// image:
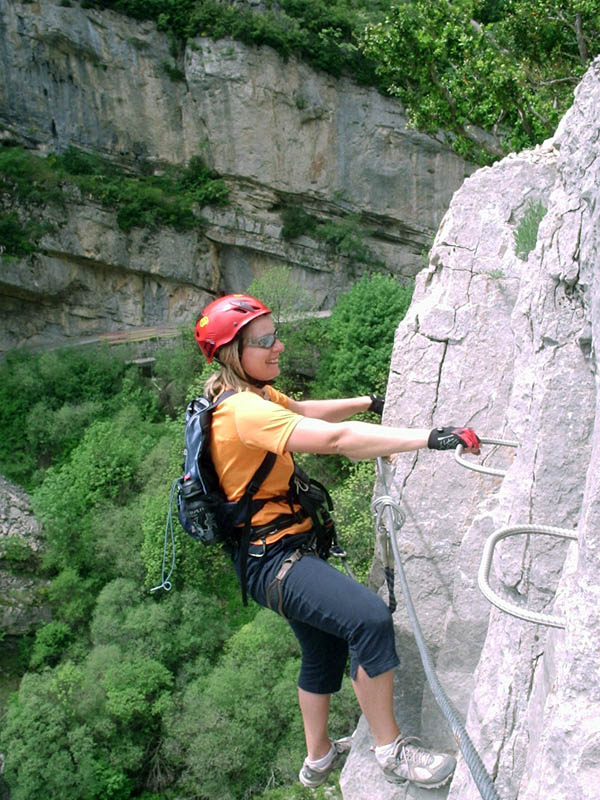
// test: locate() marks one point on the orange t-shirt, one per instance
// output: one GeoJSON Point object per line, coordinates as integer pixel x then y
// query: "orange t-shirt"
{"type": "Point", "coordinates": [244, 426]}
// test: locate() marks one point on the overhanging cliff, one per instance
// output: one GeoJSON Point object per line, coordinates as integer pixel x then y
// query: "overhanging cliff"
{"type": "Point", "coordinates": [279, 133]}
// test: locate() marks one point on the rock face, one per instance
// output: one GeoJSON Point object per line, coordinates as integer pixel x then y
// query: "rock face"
{"type": "Point", "coordinates": [277, 131]}
{"type": "Point", "coordinates": [21, 607]}
{"type": "Point", "coordinates": [509, 347]}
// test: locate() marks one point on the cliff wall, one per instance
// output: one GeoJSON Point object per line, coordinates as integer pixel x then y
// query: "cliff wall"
{"type": "Point", "coordinates": [510, 347]}
{"type": "Point", "coordinates": [277, 131]}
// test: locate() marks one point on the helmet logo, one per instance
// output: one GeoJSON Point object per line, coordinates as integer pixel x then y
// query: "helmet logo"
{"type": "Point", "coordinates": [202, 322]}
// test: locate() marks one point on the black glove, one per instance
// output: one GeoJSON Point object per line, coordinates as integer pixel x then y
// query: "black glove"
{"type": "Point", "coordinates": [450, 438]}
{"type": "Point", "coordinates": [376, 404]}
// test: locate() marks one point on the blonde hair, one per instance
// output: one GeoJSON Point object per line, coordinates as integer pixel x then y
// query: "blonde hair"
{"type": "Point", "coordinates": [231, 375]}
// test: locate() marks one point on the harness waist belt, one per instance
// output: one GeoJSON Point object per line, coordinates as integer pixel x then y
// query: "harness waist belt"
{"type": "Point", "coordinates": [278, 524]}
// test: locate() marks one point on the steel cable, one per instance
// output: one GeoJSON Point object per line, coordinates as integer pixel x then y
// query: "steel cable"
{"type": "Point", "coordinates": [482, 780]}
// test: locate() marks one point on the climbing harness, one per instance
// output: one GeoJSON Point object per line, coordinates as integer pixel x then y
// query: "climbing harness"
{"type": "Point", "coordinates": [395, 515]}
{"type": "Point", "coordinates": [514, 610]}
{"type": "Point", "coordinates": [275, 585]}
{"type": "Point", "coordinates": [486, 563]}
{"type": "Point", "coordinates": [480, 467]}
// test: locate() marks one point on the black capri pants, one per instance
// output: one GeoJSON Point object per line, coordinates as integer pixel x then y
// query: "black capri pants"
{"type": "Point", "coordinates": [331, 614]}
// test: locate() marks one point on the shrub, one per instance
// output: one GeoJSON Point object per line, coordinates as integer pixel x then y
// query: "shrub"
{"type": "Point", "coordinates": [244, 716]}
{"type": "Point", "coordinates": [71, 388]}
{"type": "Point", "coordinates": [526, 233]}
{"type": "Point", "coordinates": [15, 237]}
{"type": "Point", "coordinates": [16, 550]}
{"type": "Point", "coordinates": [356, 354]}
{"type": "Point", "coordinates": [101, 469]}
{"type": "Point", "coordinates": [50, 642]}
{"type": "Point", "coordinates": [347, 238]}
{"type": "Point", "coordinates": [354, 518]}
{"type": "Point", "coordinates": [296, 222]}
{"type": "Point", "coordinates": [288, 303]}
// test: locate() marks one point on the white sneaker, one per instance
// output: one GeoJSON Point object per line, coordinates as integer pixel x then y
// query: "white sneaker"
{"type": "Point", "coordinates": [311, 777]}
{"type": "Point", "coordinates": [409, 762]}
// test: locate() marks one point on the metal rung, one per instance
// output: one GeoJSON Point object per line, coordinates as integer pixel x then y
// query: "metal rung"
{"type": "Point", "coordinates": [486, 562]}
{"type": "Point", "coordinates": [478, 467]}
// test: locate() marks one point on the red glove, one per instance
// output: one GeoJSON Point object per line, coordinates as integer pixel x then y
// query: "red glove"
{"type": "Point", "coordinates": [450, 438]}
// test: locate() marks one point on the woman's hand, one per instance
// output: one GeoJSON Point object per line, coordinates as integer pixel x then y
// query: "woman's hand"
{"type": "Point", "coordinates": [450, 438]}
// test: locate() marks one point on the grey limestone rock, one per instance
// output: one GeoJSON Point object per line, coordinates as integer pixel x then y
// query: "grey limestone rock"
{"type": "Point", "coordinates": [278, 132]}
{"type": "Point", "coordinates": [21, 606]}
{"type": "Point", "coordinates": [508, 346]}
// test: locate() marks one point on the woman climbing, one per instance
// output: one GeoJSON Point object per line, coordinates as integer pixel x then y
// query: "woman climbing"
{"type": "Point", "coordinates": [331, 614]}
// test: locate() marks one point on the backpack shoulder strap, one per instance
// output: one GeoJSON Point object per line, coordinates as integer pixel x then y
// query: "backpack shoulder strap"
{"type": "Point", "coordinates": [252, 488]}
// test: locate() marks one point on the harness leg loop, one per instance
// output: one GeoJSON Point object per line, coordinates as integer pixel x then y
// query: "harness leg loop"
{"type": "Point", "coordinates": [275, 584]}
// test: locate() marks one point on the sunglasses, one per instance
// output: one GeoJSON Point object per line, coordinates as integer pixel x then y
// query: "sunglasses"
{"type": "Point", "coordinates": [266, 342]}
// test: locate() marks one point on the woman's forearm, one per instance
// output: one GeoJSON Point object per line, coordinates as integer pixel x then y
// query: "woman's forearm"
{"type": "Point", "coordinates": [355, 440]}
{"type": "Point", "coordinates": [362, 440]}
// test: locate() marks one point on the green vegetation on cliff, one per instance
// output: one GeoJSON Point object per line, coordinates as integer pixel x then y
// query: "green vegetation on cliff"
{"type": "Point", "coordinates": [495, 75]}
{"type": "Point", "coordinates": [171, 197]}
{"type": "Point", "coordinates": [490, 75]}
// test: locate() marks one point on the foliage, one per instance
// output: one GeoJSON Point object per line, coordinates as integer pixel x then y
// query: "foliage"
{"type": "Point", "coordinates": [296, 222]}
{"type": "Point", "coordinates": [346, 238]}
{"type": "Point", "coordinates": [286, 299]}
{"type": "Point", "coordinates": [169, 198]}
{"type": "Point", "coordinates": [18, 238]}
{"type": "Point", "coordinates": [83, 730]}
{"type": "Point", "coordinates": [490, 75]}
{"type": "Point", "coordinates": [320, 32]}
{"type": "Point", "coordinates": [101, 469]}
{"type": "Point", "coordinates": [297, 791]}
{"type": "Point", "coordinates": [31, 179]}
{"type": "Point", "coordinates": [343, 236]}
{"type": "Point", "coordinates": [50, 642]}
{"type": "Point", "coordinates": [494, 76]}
{"type": "Point", "coordinates": [356, 355]}
{"type": "Point", "coordinates": [15, 549]}
{"type": "Point", "coordinates": [133, 693]}
{"type": "Point", "coordinates": [47, 400]}
{"type": "Point", "coordinates": [145, 201]}
{"type": "Point", "coordinates": [526, 233]}
{"type": "Point", "coordinates": [210, 725]}
{"type": "Point", "coordinates": [291, 307]}
{"type": "Point", "coordinates": [354, 518]}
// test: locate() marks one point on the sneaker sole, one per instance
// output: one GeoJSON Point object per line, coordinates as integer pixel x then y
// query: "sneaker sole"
{"type": "Point", "coordinates": [398, 781]}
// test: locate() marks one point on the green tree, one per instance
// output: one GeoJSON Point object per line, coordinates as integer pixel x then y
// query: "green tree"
{"type": "Point", "coordinates": [293, 315]}
{"type": "Point", "coordinates": [82, 732]}
{"type": "Point", "coordinates": [47, 400]}
{"type": "Point", "coordinates": [239, 728]}
{"type": "Point", "coordinates": [495, 76]}
{"type": "Point", "coordinates": [102, 469]}
{"type": "Point", "coordinates": [356, 354]}
{"type": "Point", "coordinates": [354, 518]}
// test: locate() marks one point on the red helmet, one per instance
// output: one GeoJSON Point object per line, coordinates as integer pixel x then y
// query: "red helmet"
{"type": "Point", "coordinates": [223, 319]}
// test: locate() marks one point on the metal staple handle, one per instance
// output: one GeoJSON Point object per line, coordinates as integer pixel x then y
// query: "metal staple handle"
{"type": "Point", "coordinates": [478, 467]}
{"type": "Point", "coordinates": [486, 562]}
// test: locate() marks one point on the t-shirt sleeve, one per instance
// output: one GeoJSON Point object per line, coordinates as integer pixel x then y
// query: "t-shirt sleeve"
{"type": "Point", "coordinates": [264, 424]}
{"type": "Point", "coordinates": [278, 397]}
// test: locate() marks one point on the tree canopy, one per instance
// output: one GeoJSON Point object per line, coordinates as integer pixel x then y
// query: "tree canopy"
{"type": "Point", "coordinates": [493, 75]}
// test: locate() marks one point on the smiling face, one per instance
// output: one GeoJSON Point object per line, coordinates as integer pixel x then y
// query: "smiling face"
{"type": "Point", "coordinates": [260, 363]}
